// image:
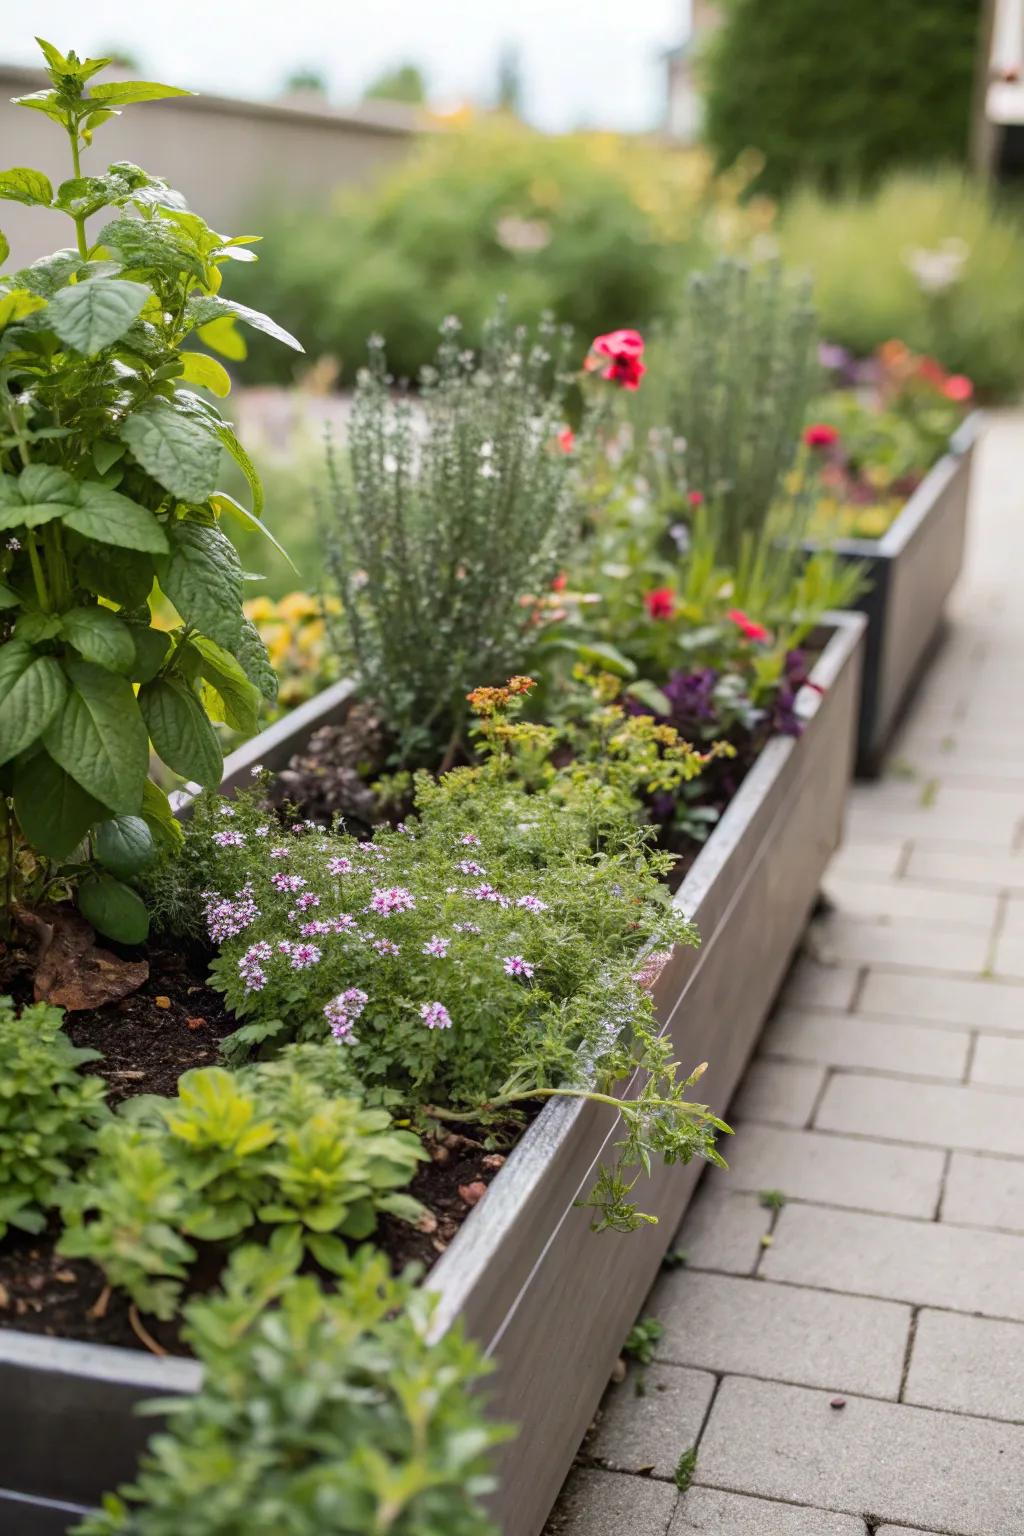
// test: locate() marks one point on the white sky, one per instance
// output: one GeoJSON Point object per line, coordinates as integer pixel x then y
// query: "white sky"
{"type": "Point", "coordinates": [593, 62]}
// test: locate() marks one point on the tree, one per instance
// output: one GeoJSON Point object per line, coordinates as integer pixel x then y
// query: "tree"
{"type": "Point", "coordinates": [837, 93]}
{"type": "Point", "coordinates": [405, 83]}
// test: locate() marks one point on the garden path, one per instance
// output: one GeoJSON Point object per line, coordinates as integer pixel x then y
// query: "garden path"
{"type": "Point", "coordinates": [844, 1348]}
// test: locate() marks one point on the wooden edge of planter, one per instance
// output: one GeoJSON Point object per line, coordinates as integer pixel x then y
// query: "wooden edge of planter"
{"type": "Point", "coordinates": [463, 1267]}
{"type": "Point", "coordinates": [915, 509]}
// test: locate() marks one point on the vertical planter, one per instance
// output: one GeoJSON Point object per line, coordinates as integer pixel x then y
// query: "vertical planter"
{"type": "Point", "coordinates": [910, 571]}
{"type": "Point", "coordinates": [549, 1300]}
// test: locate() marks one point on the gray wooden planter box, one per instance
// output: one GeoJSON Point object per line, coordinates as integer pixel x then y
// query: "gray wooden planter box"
{"type": "Point", "coordinates": [910, 571]}
{"type": "Point", "coordinates": [549, 1300]}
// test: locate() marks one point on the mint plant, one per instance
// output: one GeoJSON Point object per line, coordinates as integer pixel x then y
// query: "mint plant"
{"type": "Point", "coordinates": [109, 463]}
{"type": "Point", "coordinates": [318, 1412]}
{"type": "Point", "coordinates": [280, 1143]}
{"type": "Point", "coordinates": [49, 1112]}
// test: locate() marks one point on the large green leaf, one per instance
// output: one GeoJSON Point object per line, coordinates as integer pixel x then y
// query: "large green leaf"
{"type": "Point", "coordinates": [203, 579]}
{"type": "Point", "coordinates": [113, 909]}
{"type": "Point", "coordinates": [124, 845]}
{"type": "Point", "coordinates": [22, 185]}
{"type": "Point", "coordinates": [112, 518]}
{"type": "Point", "coordinates": [211, 307]}
{"type": "Point", "coordinates": [122, 93]}
{"type": "Point", "coordinates": [153, 244]}
{"type": "Point", "coordinates": [5, 249]}
{"type": "Point", "coordinates": [89, 316]}
{"type": "Point", "coordinates": [225, 505]}
{"type": "Point", "coordinates": [53, 811]}
{"type": "Point", "coordinates": [180, 731]}
{"type": "Point", "coordinates": [254, 661]}
{"type": "Point", "coordinates": [198, 368]}
{"type": "Point", "coordinates": [235, 700]}
{"type": "Point", "coordinates": [32, 689]}
{"type": "Point", "coordinates": [160, 819]}
{"type": "Point", "coordinates": [43, 493]}
{"type": "Point", "coordinates": [180, 451]}
{"type": "Point", "coordinates": [151, 647]}
{"type": "Point", "coordinates": [99, 737]}
{"type": "Point", "coordinates": [100, 636]}
{"type": "Point", "coordinates": [123, 575]}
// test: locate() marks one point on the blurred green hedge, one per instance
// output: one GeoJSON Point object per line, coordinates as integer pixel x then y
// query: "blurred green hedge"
{"type": "Point", "coordinates": [929, 258]}
{"type": "Point", "coordinates": [596, 228]}
{"type": "Point", "coordinates": [838, 91]}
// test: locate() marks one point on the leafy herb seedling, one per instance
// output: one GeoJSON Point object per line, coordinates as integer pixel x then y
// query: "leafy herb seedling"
{"type": "Point", "coordinates": [771, 1199]}
{"type": "Point", "coordinates": [642, 1339]}
{"type": "Point", "coordinates": [686, 1466]}
{"type": "Point", "coordinates": [109, 461]}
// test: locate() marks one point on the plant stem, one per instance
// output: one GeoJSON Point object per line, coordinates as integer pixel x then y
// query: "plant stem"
{"type": "Point", "coordinates": [83, 247]}
{"type": "Point", "coordinates": [524, 1095]}
{"type": "Point", "coordinates": [37, 574]}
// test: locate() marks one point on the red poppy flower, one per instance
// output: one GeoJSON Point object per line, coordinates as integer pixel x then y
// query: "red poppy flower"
{"type": "Point", "coordinates": [566, 439]}
{"type": "Point", "coordinates": [623, 352]}
{"type": "Point", "coordinates": [661, 603]}
{"type": "Point", "coordinates": [820, 435]}
{"type": "Point", "coordinates": [958, 387]}
{"type": "Point", "coordinates": [695, 498]}
{"type": "Point", "coordinates": [746, 626]}
{"type": "Point", "coordinates": [560, 582]}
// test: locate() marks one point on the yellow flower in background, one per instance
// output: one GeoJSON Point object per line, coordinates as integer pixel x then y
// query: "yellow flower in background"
{"type": "Point", "coordinates": [295, 635]}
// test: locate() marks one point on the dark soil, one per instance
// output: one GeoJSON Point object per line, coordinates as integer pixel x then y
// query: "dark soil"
{"type": "Point", "coordinates": [173, 1023]}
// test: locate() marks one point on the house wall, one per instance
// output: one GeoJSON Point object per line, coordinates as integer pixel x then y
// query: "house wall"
{"type": "Point", "coordinates": [223, 155]}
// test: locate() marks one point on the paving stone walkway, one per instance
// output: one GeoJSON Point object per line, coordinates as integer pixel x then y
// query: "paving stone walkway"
{"type": "Point", "coordinates": [852, 1364]}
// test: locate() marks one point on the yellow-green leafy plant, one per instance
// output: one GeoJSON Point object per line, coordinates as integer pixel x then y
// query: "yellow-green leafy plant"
{"type": "Point", "coordinates": [109, 466]}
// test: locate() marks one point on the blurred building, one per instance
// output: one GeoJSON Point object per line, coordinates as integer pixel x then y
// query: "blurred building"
{"type": "Point", "coordinates": [998, 147]}
{"type": "Point", "coordinates": [684, 100]}
{"type": "Point", "coordinates": [226, 156]}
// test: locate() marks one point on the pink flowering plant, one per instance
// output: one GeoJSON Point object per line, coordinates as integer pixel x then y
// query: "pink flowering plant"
{"type": "Point", "coordinates": [488, 953]}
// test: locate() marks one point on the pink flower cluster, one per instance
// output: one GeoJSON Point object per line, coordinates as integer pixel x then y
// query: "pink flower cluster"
{"type": "Point", "coordinates": [394, 898]}
{"type": "Point", "coordinates": [250, 968]}
{"type": "Point", "coordinates": [435, 1016]}
{"type": "Point", "coordinates": [532, 904]}
{"type": "Point", "coordinates": [226, 919]}
{"type": "Point", "coordinates": [229, 838]}
{"type": "Point", "coordinates": [342, 1011]}
{"type": "Point", "coordinates": [436, 945]}
{"type": "Point", "coordinates": [470, 867]}
{"type": "Point", "coordinates": [339, 866]}
{"type": "Point", "coordinates": [515, 965]}
{"type": "Point", "coordinates": [283, 882]}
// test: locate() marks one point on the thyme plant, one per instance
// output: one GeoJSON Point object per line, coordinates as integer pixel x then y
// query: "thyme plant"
{"type": "Point", "coordinates": [109, 464]}
{"type": "Point", "coordinates": [449, 512]}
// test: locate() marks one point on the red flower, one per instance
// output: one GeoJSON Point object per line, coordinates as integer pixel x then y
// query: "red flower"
{"type": "Point", "coordinates": [958, 387]}
{"type": "Point", "coordinates": [560, 582]}
{"type": "Point", "coordinates": [746, 626]}
{"type": "Point", "coordinates": [624, 352]}
{"type": "Point", "coordinates": [566, 439]}
{"type": "Point", "coordinates": [695, 498]}
{"type": "Point", "coordinates": [661, 603]}
{"type": "Point", "coordinates": [820, 435]}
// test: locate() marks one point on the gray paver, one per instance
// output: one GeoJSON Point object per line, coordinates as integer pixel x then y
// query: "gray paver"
{"type": "Point", "coordinates": [875, 899]}
{"type": "Point", "coordinates": [835, 1170]}
{"type": "Point", "coordinates": [1009, 956]}
{"type": "Point", "coordinates": [781, 1332]}
{"type": "Point", "coordinates": [929, 1263]}
{"type": "Point", "coordinates": [879, 1045]}
{"type": "Point", "coordinates": [984, 1192]}
{"type": "Point", "coordinates": [927, 1114]}
{"type": "Point", "coordinates": [869, 858]}
{"type": "Point", "coordinates": [899, 1463]}
{"type": "Point", "coordinates": [999, 1061]}
{"type": "Point", "coordinates": [979, 1004]}
{"type": "Point", "coordinates": [810, 985]}
{"type": "Point", "coordinates": [923, 945]}
{"type": "Point", "coordinates": [610, 1504]}
{"type": "Point", "coordinates": [968, 1365]}
{"type": "Point", "coordinates": [651, 1430]}
{"type": "Point", "coordinates": [962, 867]}
{"type": "Point", "coordinates": [780, 1093]}
{"type": "Point", "coordinates": [709, 1512]}
{"type": "Point", "coordinates": [723, 1230]}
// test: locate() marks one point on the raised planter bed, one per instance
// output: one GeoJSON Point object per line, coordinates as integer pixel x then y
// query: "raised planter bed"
{"type": "Point", "coordinates": [910, 571]}
{"type": "Point", "coordinates": [550, 1300]}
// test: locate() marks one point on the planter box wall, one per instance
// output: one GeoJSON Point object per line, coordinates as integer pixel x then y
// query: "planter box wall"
{"type": "Point", "coordinates": [550, 1301]}
{"type": "Point", "coordinates": [911, 570]}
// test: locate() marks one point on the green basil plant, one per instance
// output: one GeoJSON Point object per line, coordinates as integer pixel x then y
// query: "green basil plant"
{"type": "Point", "coordinates": [109, 506]}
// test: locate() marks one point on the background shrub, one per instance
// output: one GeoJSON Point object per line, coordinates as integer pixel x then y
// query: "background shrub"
{"type": "Point", "coordinates": [836, 93]}
{"type": "Point", "coordinates": [860, 251]}
{"type": "Point", "coordinates": [593, 227]}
